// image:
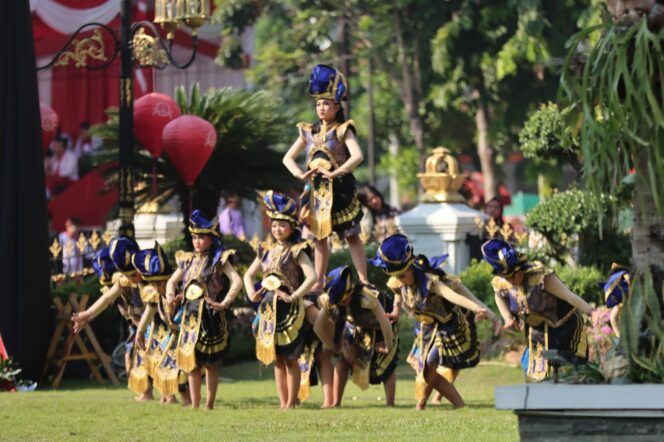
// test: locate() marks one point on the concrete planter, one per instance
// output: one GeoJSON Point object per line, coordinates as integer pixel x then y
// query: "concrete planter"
{"type": "Point", "coordinates": [557, 412]}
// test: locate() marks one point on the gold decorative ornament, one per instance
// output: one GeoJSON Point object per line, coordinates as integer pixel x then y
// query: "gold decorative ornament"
{"type": "Point", "coordinates": [193, 291]}
{"type": "Point", "coordinates": [95, 240]}
{"type": "Point", "coordinates": [55, 248]}
{"type": "Point", "coordinates": [521, 237]}
{"type": "Point", "coordinates": [506, 231]}
{"type": "Point", "coordinates": [86, 48]}
{"type": "Point", "coordinates": [107, 236]}
{"type": "Point", "coordinates": [492, 228]}
{"type": "Point", "coordinates": [479, 223]}
{"type": "Point", "coordinates": [169, 14]}
{"type": "Point", "coordinates": [81, 243]}
{"type": "Point", "coordinates": [441, 179]}
{"type": "Point", "coordinates": [196, 13]}
{"type": "Point", "coordinates": [271, 283]}
{"type": "Point", "coordinates": [147, 51]}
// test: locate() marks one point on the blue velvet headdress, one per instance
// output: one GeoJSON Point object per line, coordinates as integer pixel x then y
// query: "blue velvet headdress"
{"type": "Point", "coordinates": [338, 283]}
{"type": "Point", "coordinates": [120, 249]}
{"type": "Point", "coordinates": [504, 259]}
{"type": "Point", "coordinates": [394, 255]}
{"type": "Point", "coordinates": [152, 264]}
{"type": "Point", "coordinates": [103, 266]}
{"type": "Point", "coordinates": [280, 206]}
{"type": "Point", "coordinates": [199, 225]}
{"type": "Point", "coordinates": [327, 83]}
{"type": "Point", "coordinates": [616, 288]}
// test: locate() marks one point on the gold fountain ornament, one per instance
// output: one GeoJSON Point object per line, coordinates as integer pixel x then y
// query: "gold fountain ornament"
{"type": "Point", "coordinates": [170, 14]}
{"type": "Point", "coordinates": [441, 179]}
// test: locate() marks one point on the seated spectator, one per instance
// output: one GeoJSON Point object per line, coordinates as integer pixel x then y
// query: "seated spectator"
{"type": "Point", "coordinates": [379, 219]}
{"type": "Point", "coordinates": [231, 221]}
{"type": "Point", "coordinates": [86, 143]}
{"type": "Point", "coordinates": [62, 168]}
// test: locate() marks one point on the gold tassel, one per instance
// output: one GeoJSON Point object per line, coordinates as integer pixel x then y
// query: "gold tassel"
{"type": "Point", "coordinates": [361, 376]}
{"type": "Point", "coordinates": [169, 383]}
{"type": "Point", "coordinates": [420, 387]}
{"type": "Point", "coordinates": [138, 380]}
{"type": "Point", "coordinates": [186, 358]}
{"type": "Point", "coordinates": [266, 351]}
{"type": "Point", "coordinates": [447, 373]}
{"type": "Point", "coordinates": [321, 210]}
{"type": "Point", "coordinates": [304, 391]}
{"type": "Point", "coordinates": [306, 360]}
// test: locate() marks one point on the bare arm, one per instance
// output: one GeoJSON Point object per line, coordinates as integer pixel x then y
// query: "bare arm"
{"type": "Point", "coordinates": [146, 318]}
{"type": "Point", "coordinates": [463, 290]}
{"type": "Point", "coordinates": [250, 279]}
{"type": "Point", "coordinates": [173, 282]}
{"type": "Point", "coordinates": [309, 276]}
{"type": "Point", "coordinates": [104, 301]}
{"type": "Point", "coordinates": [290, 158]}
{"type": "Point", "coordinates": [555, 286]}
{"type": "Point", "coordinates": [503, 307]}
{"type": "Point", "coordinates": [456, 298]}
{"type": "Point", "coordinates": [324, 329]}
{"type": "Point", "coordinates": [236, 283]}
{"type": "Point", "coordinates": [385, 325]}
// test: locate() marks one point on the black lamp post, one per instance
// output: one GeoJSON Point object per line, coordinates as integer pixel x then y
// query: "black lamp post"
{"type": "Point", "coordinates": [138, 46]}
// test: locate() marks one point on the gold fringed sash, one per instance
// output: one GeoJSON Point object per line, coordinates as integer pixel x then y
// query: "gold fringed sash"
{"type": "Point", "coordinates": [166, 372]}
{"type": "Point", "coordinates": [189, 330]}
{"type": "Point", "coordinates": [320, 221]}
{"type": "Point", "coordinates": [138, 375]}
{"type": "Point", "coordinates": [364, 347]}
{"type": "Point", "coordinates": [265, 338]}
{"type": "Point", "coordinates": [306, 363]}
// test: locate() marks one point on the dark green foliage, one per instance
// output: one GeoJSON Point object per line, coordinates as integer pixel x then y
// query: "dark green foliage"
{"type": "Point", "coordinates": [477, 278]}
{"type": "Point", "coordinates": [584, 281]}
{"type": "Point", "coordinates": [568, 219]}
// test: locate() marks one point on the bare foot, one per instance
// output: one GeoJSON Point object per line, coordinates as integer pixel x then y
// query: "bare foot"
{"type": "Point", "coordinates": [171, 400]}
{"type": "Point", "coordinates": [389, 404]}
{"type": "Point", "coordinates": [209, 407]}
{"type": "Point", "coordinates": [436, 401]}
{"type": "Point", "coordinates": [144, 397]}
{"type": "Point", "coordinates": [329, 406]}
{"type": "Point", "coordinates": [421, 405]}
{"type": "Point", "coordinates": [162, 400]}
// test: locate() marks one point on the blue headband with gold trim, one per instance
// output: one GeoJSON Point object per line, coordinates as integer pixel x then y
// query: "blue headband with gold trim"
{"type": "Point", "coordinates": [120, 250]}
{"type": "Point", "coordinates": [152, 264]}
{"type": "Point", "coordinates": [327, 83]}
{"type": "Point", "coordinates": [504, 259]}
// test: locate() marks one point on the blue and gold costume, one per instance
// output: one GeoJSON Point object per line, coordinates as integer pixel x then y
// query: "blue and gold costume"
{"type": "Point", "coordinates": [550, 322]}
{"type": "Point", "coordinates": [447, 335]}
{"type": "Point", "coordinates": [203, 336]}
{"type": "Point", "coordinates": [281, 326]}
{"type": "Point", "coordinates": [162, 333]}
{"type": "Point", "coordinates": [334, 206]}
{"type": "Point", "coordinates": [357, 330]}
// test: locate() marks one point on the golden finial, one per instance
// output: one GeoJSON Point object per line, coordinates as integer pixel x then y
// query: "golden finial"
{"type": "Point", "coordinates": [255, 241]}
{"type": "Point", "coordinates": [442, 178]}
{"type": "Point", "coordinates": [491, 228]}
{"type": "Point", "coordinates": [55, 248]}
{"type": "Point", "coordinates": [479, 223]}
{"type": "Point", "coordinates": [506, 231]}
{"type": "Point", "coordinates": [82, 242]}
{"type": "Point", "coordinates": [107, 236]}
{"type": "Point", "coordinates": [521, 237]}
{"type": "Point", "coordinates": [95, 240]}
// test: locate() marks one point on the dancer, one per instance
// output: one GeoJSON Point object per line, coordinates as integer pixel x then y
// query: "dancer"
{"type": "Point", "coordinates": [207, 283]}
{"type": "Point", "coordinates": [330, 202]}
{"type": "Point", "coordinates": [288, 275]}
{"type": "Point", "coordinates": [616, 290]}
{"type": "Point", "coordinates": [446, 337]}
{"type": "Point", "coordinates": [549, 312]}
{"type": "Point", "coordinates": [354, 320]}
{"type": "Point", "coordinates": [158, 330]}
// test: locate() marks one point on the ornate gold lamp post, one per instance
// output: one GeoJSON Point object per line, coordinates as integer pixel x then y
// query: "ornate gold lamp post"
{"type": "Point", "coordinates": [139, 46]}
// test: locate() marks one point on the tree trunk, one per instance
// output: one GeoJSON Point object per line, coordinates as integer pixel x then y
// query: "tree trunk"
{"type": "Point", "coordinates": [343, 35]}
{"type": "Point", "coordinates": [371, 136]}
{"type": "Point", "coordinates": [648, 227]}
{"type": "Point", "coordinates": [408, 91]}
{"type": "Point", "coordinates": [484, 151]}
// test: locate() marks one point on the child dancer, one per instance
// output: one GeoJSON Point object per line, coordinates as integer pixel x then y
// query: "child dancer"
{"type": "Point", "coordinates": [353, 319]}
{"type": "Point", "coordinates": [158, 327]}
{"type": "Point", "coordinates": [330, 202]}
{"type": "Point", "coordinates": [288, 275]}
{"type": "Point", "coordinates": [437, 301]}
{"type": "Point", "coordinates": [616, 290]}
{"type": "Point", "coordinates": [550, 312]}
{"type": "Point", "coordinates": [207, 283]}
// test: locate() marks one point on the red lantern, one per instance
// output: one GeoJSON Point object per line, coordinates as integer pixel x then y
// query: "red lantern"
{"type": "Point", "coordinates": [189, 141]}
{"type": "Point", "coordinates": [49, 125]}
{"type": "Point", "coordinates": [152, 112]}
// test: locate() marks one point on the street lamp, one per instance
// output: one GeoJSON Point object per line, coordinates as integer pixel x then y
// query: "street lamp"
{"type": "Point", "coordinates": [139, 46]}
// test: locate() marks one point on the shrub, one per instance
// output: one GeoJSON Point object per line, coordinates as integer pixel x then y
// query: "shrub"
{"type": "Point", "coordinates": [583, 281]}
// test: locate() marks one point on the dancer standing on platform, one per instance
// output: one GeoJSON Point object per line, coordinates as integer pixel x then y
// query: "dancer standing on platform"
{"type": "Point", "coordinates": [158, 330]}
{"type": "Point", "coordinates": [353, 319]}
{"type": "Point", "coordinates": [207, 283]}
{"type": "Point", "coordinates": [125, 288]}
{"type": "Point", "coordinates": [439, 302]}
{"type": "Point", "coordinates": [330, 202]}
{"type": "Point", "coordinates": [288, 275]}
{"type": "Point", "coordinates": [549, 312]}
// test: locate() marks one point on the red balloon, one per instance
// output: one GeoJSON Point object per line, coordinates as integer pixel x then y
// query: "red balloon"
{"type": "Point", "coordinates": [189, 141]}
{"type": "Point", "coordinates": [152, 112]}
{"type": "Point", "coordinates": [49, 125]}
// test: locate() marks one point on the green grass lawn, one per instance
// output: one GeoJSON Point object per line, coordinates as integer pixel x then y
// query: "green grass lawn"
{"type": "Point", "coordinates": [247, 409]}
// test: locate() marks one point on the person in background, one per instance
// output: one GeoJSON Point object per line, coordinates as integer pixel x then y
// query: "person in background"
{"type": "Point", "coordinates": [86, 143]}
{"type": "Point", "coordinates": [62, 168]}
{"type": "Point", "coordinates": [72, 258]}
{"type": "Point", "coordinates": [230, 219]}
{"type": "Point", "coordinates": [379, 220]}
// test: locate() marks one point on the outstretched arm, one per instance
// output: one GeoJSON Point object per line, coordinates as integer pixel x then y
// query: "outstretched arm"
{"type": "Point", "coordinates": [455, 298]}
{"type": "Point", "coordinates": [81, 319]}
{"type": "Point", "coordinates": [385, 325]}
{"type": "Point", "coordinates": [555, 286]}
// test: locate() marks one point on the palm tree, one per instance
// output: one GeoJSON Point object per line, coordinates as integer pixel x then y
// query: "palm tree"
{"type": "Point", "coordinates": [249, 127]}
